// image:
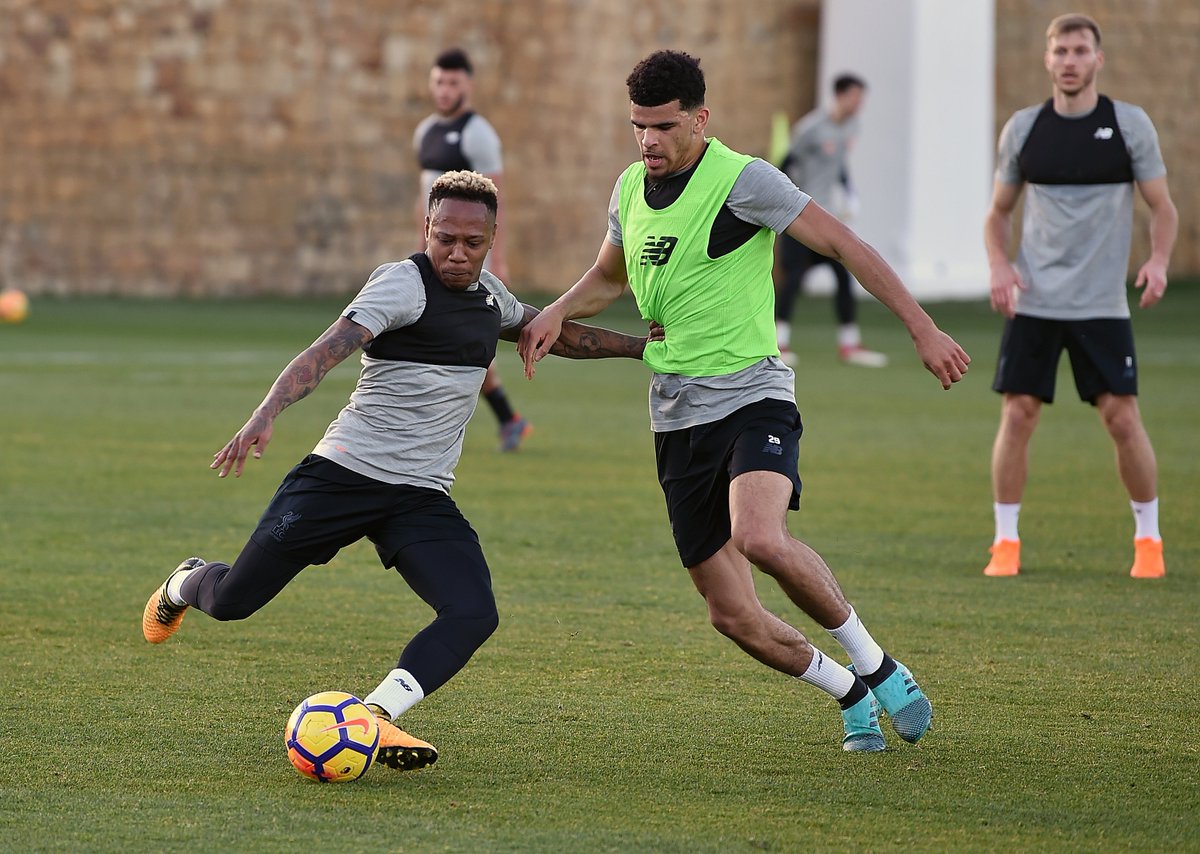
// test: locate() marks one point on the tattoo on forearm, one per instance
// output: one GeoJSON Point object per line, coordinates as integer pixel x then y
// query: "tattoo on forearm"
{"type": "Point", "coordinates": [578, 341]}
{"type": "Point", "coordinates": [308, 369]}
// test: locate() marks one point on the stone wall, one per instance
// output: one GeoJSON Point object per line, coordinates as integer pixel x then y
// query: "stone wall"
{"type": "Point", "coordinates": [236, 147]}
{"type": "Point", "coordinates": [224, 147]}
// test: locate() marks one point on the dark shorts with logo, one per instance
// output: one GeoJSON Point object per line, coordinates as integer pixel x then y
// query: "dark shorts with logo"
{"type": "Point", "coordinates": [696, 465]}
{"type": "Point", "coordinates": [1101, 353]}
{"type": "Point", "coordinates": [322, 507]}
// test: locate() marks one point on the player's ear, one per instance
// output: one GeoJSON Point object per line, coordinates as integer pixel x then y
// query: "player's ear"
{"type": "Point", "coordinates": [700, 120]}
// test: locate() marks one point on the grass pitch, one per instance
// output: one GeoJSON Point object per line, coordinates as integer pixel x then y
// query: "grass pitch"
{"type": "Point", "coordinates": [605, 714]}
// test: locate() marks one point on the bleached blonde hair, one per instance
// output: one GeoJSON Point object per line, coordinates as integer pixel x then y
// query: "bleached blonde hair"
{"type": "Point", "coordinates": [467, 186]}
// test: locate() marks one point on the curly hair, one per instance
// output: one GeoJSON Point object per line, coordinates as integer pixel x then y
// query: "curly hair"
{"type": "Point", "coordinates": [467, 186]}
{"type": "Point", "coordinates": [664, 76]}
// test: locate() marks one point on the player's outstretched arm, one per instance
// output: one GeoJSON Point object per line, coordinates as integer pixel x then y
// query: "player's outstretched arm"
{"type": "Point", "coordinates": [595, 291]}
{"type": "Point", "coordinates": [297, 381]}
{"type": "Point", "coordinates": [580, 341]}
{"type": "Point", "coordinates": [822, 232]}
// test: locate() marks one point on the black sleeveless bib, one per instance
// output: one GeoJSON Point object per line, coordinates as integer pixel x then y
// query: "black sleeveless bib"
{"type": "Point", "coordinates": [456, 327]}
{"type": "Point", "coordinates": [1082, 150]}
{"type": "Point", "coordinates": [441, 147]}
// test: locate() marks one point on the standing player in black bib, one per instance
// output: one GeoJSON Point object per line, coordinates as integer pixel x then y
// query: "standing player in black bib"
{"type": "Point", "coordinates": [456, 137]}
{"type": "Point", "coordinates": [428, 328]}
{"type": "Point", "coordinates": [1081, 154]}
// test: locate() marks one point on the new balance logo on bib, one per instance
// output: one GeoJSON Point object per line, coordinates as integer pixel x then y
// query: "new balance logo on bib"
{"type": "Point", "coordinates": [657, 250]}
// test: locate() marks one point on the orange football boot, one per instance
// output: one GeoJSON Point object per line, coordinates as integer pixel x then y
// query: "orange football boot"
{"type": "Point", "coordinates": [1006, 558]}
{"type": "Point", "coordinates": [1148, 558]}
{"type": "Point", "coordinates": [161, 617]}
{"type": "Point", "coordinates": [397, 749]}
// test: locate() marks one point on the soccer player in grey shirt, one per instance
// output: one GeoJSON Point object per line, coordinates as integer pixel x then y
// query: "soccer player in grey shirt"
{"type": "Point", "coordinates": [428, 327]}
{"type": "Point", "coordinates": [816, 163]}
{"type": "Point", "coordinates": [1081, 154]}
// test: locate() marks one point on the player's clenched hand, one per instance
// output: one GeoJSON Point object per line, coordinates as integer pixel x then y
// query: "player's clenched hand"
{"type": "Point", "coordinates": [537, 338]}
{"type": "Point", "coordinates": [1005, 284]}
{"type": "Point", "coordinates": [255, 434]}
{"type": "Point", "coordinates": [943, 357]}
{"type": "Point", "coordinates": [657, 332]}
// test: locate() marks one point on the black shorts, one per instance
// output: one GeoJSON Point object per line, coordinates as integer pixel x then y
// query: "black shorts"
{"type": "Point", "coordinates": [697, 464]}
{"type": "Point", "coordinates": [322, 507]}
{"type": "Point", "coordinates": [1101, 353]}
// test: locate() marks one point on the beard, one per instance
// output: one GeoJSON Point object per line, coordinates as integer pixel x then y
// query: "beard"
{"type": "Point", "coordinates": [455, 107]}
{"type": "Point", "coordinates": [1082, 81]}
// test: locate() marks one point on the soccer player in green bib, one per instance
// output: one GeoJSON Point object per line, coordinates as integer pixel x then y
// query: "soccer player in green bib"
{"type": "Point", "coordinates": [691, 232]}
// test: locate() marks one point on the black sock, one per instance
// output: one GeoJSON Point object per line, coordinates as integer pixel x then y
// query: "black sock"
{"type": "Point", "coordinates": [857, 692]}
{"type": "Point", "coordinates": [886, 669]}
{"type": "Point", "coordinates": [498, 400]}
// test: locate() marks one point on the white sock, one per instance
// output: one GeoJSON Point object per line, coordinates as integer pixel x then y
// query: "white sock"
{"type": "Point", "coordinates": [175, 587]}
{"type": "Point", "coordinates": [1145, 517]}
{"type": "Point", "coordinates": [1006, 521]}
{"type": "Point", "coordinates": [397, 693]}
{"type": "Point", "coordinates": [859, 645]}
{"type": "Point", "coordinates": [783, 334]}
{"type": "Point", "coordinates": [848, 335]}
{"type": "Point", "coordinates": [828, 675]}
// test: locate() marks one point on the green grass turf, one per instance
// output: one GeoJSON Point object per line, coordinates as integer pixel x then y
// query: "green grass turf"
{"type": "Point", "coordinates": [605, 714]}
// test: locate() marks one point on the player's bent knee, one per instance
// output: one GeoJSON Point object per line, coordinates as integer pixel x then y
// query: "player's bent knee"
{"type": "Point", "coordinates": [764, 549]}
{"type": "Point", "coordinates": [474, 626]}
{"type": "Point", "coordinates": [227, 612]}
{"type": "Point", "coordinates": [485, 626]}
{"type": "Point", "coordinates": [734, 623]}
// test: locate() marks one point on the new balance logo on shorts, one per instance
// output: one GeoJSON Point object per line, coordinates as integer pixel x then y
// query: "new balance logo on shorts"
{"type": "Point", "coordinates": [657, 250]}
{"type": "Point", "coordinates": [773, 446]}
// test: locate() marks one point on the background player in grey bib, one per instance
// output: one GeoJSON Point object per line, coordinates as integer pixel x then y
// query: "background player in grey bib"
{"type": "Point", "coordinates": [456, 137]}
{"type": "Point", "coordinates": [1080, 154]}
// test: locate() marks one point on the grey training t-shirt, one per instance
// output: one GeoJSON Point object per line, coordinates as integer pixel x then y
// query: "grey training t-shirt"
{"type": "Point", "coordinates": [405, 421]}
{"type": "Point", "coordinates": [763, 196]}
{"type": "Point", "coordinates": [1075, 239]}
{"type": "Point", "coordinates": [817, 154]}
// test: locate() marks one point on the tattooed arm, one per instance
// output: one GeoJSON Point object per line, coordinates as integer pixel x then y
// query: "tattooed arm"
{"type": "Point", "coordinates": [579, 341]}
{"type": "Point", "coordinates": [297, 381]}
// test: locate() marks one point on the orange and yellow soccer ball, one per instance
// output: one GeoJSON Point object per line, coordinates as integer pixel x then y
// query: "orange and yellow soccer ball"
{"type": "Point", "coordinates": [14, 306]}
{"type": "Point", "coordinates": [331, 737]}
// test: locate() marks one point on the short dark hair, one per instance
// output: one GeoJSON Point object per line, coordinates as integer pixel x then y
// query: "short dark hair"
{"type": "Point", "coordinates": [454, 59]}
{"type": "Point", "coordinates": [664, 76]}
{"type": "Point", "coordinates": [466, 186]}
{"type": "Point", "coordinates": [847, 81]}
